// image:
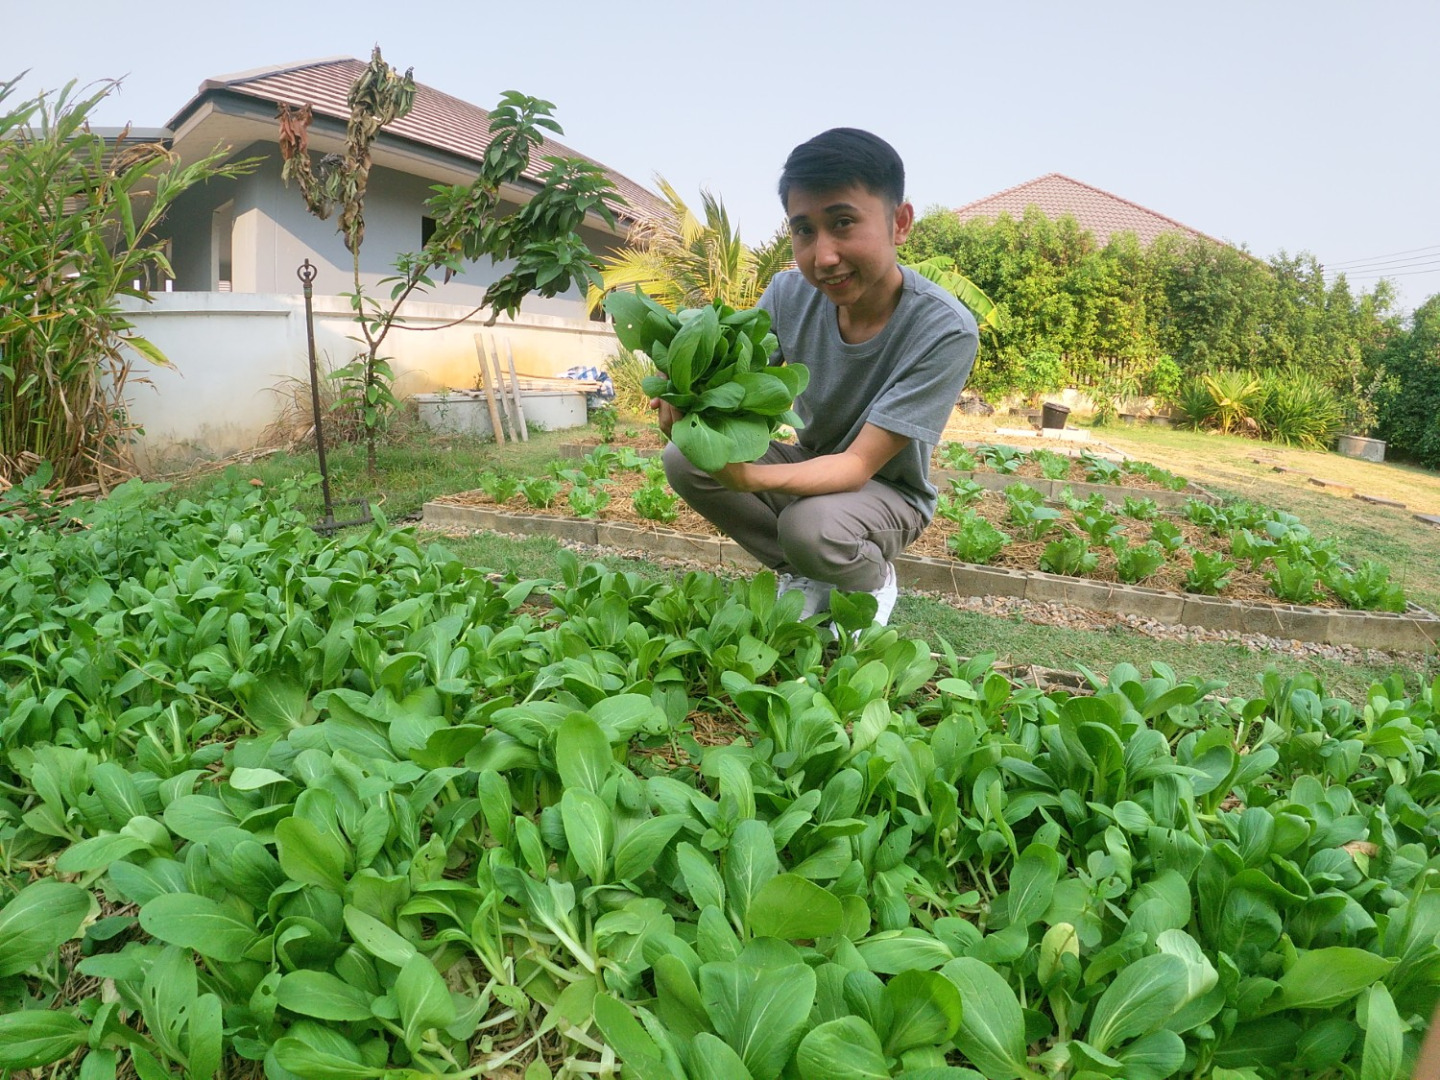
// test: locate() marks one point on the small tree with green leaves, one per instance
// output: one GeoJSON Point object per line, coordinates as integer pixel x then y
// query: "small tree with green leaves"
{"type": "Point", "coordinates": [540, 241]}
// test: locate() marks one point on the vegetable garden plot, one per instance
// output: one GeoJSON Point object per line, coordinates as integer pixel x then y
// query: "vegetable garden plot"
{"type": "Point", "coordinates": [346, 808]}
{"type": "Point", "coordinates": [1242, 552]}
{"type": "Point", "coordinates": [1054, 474]}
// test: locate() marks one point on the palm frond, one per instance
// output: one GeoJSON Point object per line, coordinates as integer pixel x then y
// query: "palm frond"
{"type": "Point", "coordinates": [681, 260]}
{"type": "Point", "coordinates": [941, 270]}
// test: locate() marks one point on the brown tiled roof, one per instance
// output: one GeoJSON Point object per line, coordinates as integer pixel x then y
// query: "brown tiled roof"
{"type": "Point", "coordinates": [1098, 211]}
{"type": "Point", "coordinates": [437, 120]}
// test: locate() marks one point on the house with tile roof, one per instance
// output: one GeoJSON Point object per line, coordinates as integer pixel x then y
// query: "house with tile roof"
{"type": "Point", "coordinates": [231, 319]}
{"type": "Point", "coordinates": [1094, 209]}
{"type": "Point", "coordinates": [247, 235]}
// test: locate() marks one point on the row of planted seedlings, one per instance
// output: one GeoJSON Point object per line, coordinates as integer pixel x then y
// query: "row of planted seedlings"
{"type": "Point", "coordinates": [1048, 464]}
{"type": "Point", "coordinates": [1042, 463]}
{"type": "Point", "coordinates": [584, 488]}
{"type": "Point", "coordinates": [1241, 550]}
{"type": "Point", "coordinates": [346, 808]}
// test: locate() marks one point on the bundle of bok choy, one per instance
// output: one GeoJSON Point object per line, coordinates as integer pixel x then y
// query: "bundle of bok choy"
{"type": "Point", "coordinates": [712, 364]}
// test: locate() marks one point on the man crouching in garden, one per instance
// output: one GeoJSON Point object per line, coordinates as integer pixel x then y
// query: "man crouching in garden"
{"type": "Point", "coordinates": [888, 353]}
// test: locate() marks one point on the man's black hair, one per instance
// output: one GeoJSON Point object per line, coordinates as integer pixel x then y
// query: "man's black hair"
{"type": "Point", "coordinates": [843, 156]}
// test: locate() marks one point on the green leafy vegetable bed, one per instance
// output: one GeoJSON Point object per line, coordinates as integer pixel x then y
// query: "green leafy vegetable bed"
{"type": "Point", "coordinates": [1044, 463]}
{"type": "Point", "coordinates": [1241, 551]}
{"type": "Point", "coordinates": [339, 809]}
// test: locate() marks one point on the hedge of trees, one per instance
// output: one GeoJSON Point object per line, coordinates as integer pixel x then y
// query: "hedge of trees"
{"type": "Point", "coordinates": [1408, 395]}
{"type": "Point", "coordinates": [1077, 311]}
{"type": "Point", "coordinates": [1119, 318]}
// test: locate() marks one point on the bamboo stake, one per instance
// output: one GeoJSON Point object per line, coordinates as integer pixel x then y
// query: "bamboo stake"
{"type": "Point", "coordinates": [506, 405]}
{"type": "Point", "coordinates": [489, 394]}
{"type": "Point", "coordinates": [515, 386]}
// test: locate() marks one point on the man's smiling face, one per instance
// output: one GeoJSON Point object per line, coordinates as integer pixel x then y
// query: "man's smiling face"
{"type": "Point", "coordinates": [845, 241]}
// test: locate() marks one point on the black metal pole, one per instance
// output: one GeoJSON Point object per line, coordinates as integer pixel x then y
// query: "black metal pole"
{"type": "Point", "coordinates": [307, 273]}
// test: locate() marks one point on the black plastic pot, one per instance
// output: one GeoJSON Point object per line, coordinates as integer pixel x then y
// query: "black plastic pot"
{"type": "Point", "coordinates": [1053, 416]}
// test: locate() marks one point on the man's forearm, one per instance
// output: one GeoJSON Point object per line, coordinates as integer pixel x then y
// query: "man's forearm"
{"type": "Point", "coordinates": [849, 470]}
{"type": "Point", "coordinates": [824, 475]}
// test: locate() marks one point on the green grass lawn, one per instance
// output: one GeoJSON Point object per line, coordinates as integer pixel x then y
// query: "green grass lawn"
{"type": "Point", "coordinates": [416, 466]}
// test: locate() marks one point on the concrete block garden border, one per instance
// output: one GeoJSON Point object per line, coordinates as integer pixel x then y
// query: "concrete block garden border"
{"type": "Point", "coordinates": [1416, 630]}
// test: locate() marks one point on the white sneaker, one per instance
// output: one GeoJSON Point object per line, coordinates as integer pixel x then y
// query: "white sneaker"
{"type": "Point", "coordinates": [886, 595]}
{"type": "Point", "coordinates": [817, 593]}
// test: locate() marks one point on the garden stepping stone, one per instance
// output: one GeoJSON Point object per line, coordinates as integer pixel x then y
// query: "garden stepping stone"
{"type": "Point", "coordinates": [1429, 519]}
{"type": "Point", "coordinates": [1285, 468]}
{"type": "Point", "coordinates": [1334, 485]}
{"type": "Point", "coordinates": [1378, 501]}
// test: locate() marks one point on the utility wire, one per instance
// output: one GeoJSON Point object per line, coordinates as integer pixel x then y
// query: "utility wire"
{"type": "Point", "coordinates": [1401, 273]}
{"type": "Point", "coordinates": [1364, 271]}
{"type": "Point", "coordinates": [1384, 258]}
{"type": "Point", "coordinates": [1397, 264]}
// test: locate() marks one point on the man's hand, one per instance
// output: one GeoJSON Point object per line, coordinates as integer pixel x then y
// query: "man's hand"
{"type": "Point", "coordinates": [735, 476]}
{"type": "Point", "coordinates": [849, 470]}
{"type": "Point", "coordinates": [666, 414]}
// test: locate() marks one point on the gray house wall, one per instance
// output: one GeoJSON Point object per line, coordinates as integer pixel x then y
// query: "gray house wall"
{"type": "Point", "coordinates": [271, 233]}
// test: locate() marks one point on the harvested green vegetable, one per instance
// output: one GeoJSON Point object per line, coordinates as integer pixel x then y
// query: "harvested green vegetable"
{"type": "Point", "coordinates": [713, 366]}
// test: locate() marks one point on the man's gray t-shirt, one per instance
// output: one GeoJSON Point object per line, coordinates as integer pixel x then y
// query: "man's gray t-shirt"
{"type": "Point", "coordinates": [905, 379]}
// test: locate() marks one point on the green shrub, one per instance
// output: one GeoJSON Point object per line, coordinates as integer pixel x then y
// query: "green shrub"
{"type": "Point", "coordinates": [627, 370]}
{"type": "Point", "coordinates": [1041, 372]}
{"type": "Point", "coordinates": [1195, 405]}
{"type": "Point", "coordinates": [1408, 399]}
{"type": "Point", "coordinates": [1163, 380]}
{"type": "Point", "coordinates": [1298, 409]}
{"type": "Point", "coordinates": [76, 236]}
{"type": "Point", "coordinates": [1236, 396]}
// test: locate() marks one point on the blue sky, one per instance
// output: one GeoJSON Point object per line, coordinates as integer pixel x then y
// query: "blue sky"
{"type": "Point", "coordinates": [1276, 124]}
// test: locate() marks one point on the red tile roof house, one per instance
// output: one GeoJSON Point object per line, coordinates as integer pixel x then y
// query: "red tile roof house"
{"type": "Point", "coordinates": [1101, 213]}
{"type": "Point", "coordinates": [232, 321]}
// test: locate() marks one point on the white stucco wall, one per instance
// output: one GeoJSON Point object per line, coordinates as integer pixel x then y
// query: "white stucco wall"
{"type": "Point", "coordinates": [230, 351]}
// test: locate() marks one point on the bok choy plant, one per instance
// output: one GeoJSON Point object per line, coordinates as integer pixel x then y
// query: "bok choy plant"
{"type": "Point", "coordinates": [713, 365]}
